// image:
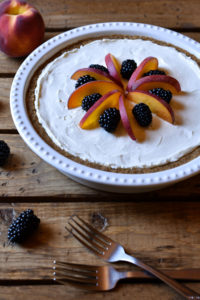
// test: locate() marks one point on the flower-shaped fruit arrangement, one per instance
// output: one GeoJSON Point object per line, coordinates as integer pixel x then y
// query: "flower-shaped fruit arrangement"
{"type": "Point", "coordinates": [106, 94]}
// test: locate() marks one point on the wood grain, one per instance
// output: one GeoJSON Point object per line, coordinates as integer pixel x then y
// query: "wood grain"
{"type": "Point", "coordinates": [128, 291]}
{"type": "Point", "coordinates": [164, 235]}
{"type": "Point", "coordinates": [173, 14]}
{"type": "Point", "coordinates": [6, 122]}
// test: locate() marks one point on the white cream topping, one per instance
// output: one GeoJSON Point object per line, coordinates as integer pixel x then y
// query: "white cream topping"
{"type": "Point", "coordinates": [163, 142]}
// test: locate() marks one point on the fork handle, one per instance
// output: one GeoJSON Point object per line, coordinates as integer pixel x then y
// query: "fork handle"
{"type": "Point", "coordinates": [183, 274]}
{"type": "Point", "coordinates": [180, 288]}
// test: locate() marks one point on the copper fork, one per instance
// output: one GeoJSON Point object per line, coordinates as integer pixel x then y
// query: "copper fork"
{"type": "Point", "coordinates": [105, 278]}
{"type": "Point", "coordinates": [111, 251]}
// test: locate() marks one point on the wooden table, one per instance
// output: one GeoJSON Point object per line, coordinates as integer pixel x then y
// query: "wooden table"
{"type": "Point", "coordinates": [162, 228]}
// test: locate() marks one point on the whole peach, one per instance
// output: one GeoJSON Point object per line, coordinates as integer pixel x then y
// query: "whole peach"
{"type": "Point", "coordinates": [21, 28]}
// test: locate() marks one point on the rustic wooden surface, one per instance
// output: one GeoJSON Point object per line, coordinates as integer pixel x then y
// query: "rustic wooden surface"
{"type": "Point", "coordinates": [161, 227]}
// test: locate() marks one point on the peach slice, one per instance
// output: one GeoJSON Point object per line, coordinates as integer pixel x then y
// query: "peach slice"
{"type": "Point", "coordinates": [149, 63]}
{"type": "Point", "coordinates": [126, 117]}
{"type": "Point", "coordinates": [91, 118]}
{"type": "Point", "coordinates": [100, 86]}
{"type": "Point", "coordinates": [97, 74]}
{"type": "Point", "coordinates": [113, 68]}
{"type": "Point", "coordinates": [157, 81]}
{"type": "Point", "coordinates": [157, 105]}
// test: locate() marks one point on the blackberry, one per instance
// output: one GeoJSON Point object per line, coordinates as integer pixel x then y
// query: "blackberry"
{"type": "Point", "coordinates": [23, 226]}
{"type": "Point", "coordinates": [84, 79]}
{"type": "Point", "coordinates": [127, 68]}
{"type": "Point", "coordinates": [89, 100]}
{"type": "Point", "coordinates": [109, 119]}
{"type": "Point", "coordinates": [164, 94]}
{"type": "Point", "coordinates": [154, 72]}
{"type": "Point", "coordinates": [142, 114]}
{"type": "Point", "coordinates": [4, 152]}
{"type": "Point", "coordinates": [99, 67]}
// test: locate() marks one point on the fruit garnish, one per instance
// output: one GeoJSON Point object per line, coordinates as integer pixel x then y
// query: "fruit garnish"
{"type": "Point", "coordinates": [157, 105]}
{"type": "Point", "coordinates": [103, 98]}
{"type": "Point", "coordinates": [109, 119]}
{"type": "Point", "coordinates": [91, 119]}
{"type": "Point", "coordinates": [94, 73]}
{"type": "Point", "coordinates": [84, 79]}
{"type": "Point", "coordinates": [156, 81]}
{"type": "Point", "coordinates": [114, 68]}
{"type": "Point", "coordinates": [126, 117]}
{"type": "Point", "coordinates": [164, 94]}
{"type": "Point", "coordinates": [154, 72]}
{"type": "Point", "coordinates": [99, 86]}
{"type": "Point", "coordinates": [98, 67]}
{"type": "Point", "coordinates": [23, 226]}
{"type": "Point", "coordinates": [127, 68]}
{"type": "Point", "coordinates": [89, 100]}
{"type": "Point", "coordinates": [142, 114]}
{"type": "Point", "coordinates": [149, 63]}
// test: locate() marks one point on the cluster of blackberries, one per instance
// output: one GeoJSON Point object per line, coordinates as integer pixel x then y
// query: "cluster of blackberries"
{"type": "Point", "coordinates": [89, 100]}
{"type": "Point", "coordinates": [23, 226]}
{"type": "Point", "coordinates": [161, 93]}
{"type": "Point", "coordinates": [109, 119]}
{"type": "Point", "coordinates": [127, 68]}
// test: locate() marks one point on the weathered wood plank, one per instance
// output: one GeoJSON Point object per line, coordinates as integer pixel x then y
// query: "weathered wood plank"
{"type": "Point", "coordinates": [176, 14]}
{"type": "Point", "coordinates": [6, 122]}
{"type": "Point", "coordinates": [26, 175]}
{"type": "Point", "coordinates": [165, 235]}
{"type": "Point", "coordinates": [125, 291]}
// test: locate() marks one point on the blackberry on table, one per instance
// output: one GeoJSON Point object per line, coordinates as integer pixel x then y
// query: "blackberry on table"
{"type": "Point", "coordinates": [154, 72]}
{"type": "Point", "coordinates": [23, 226]}
{"type": "Point", "coordinates": [109, 119]}
{"type": "Point", "coordinates": [4, 152]}
{"type": "Point", "coordinates": [164, 94]}
{"type": "Point", "coordinates": [99, 67]}
{"type": "Point", "coordinates": [89, 100]}
{"type": "Point", "coordinates": [84, 79]}
{"type": "Point", "coordinates": [142, 114]}
{"type": "Point", "coordinates": [127, 68]}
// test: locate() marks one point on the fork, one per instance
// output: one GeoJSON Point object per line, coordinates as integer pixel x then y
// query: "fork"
{"type": "Point", "coordinates": [104, 278]}
{"type": "Point", "coordinates": [111, 251]}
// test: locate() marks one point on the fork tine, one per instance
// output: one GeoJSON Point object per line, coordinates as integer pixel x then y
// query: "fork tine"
{"type": "Point", "coordinates": [84, 268]}
{"type": "Point", "coordinates": [65, 277]}
{"type": "Point", "coordinates": [91, 234]}
{"type": "Point", "coordinates": [75, 269]}
{"type": "Point", "coordinates": [84, 243]}
{"type": "Point", "coordinates": [90, 241]}
{"type": "Point", "coordinates": [101, 235]}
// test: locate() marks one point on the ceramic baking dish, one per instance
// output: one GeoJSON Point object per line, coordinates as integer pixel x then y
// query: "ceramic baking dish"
{"type": "Point", "coordinates": [108, 181]}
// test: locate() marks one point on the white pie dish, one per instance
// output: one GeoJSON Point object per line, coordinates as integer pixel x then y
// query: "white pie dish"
{"type": "Point", "coordinates": [108, 181]}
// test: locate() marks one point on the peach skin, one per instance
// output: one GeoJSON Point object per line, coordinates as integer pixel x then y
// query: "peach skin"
{"type": "Point", "coordinates": [97, 74]}
{"type": "Point", "coordinates": [157, 81]}
{"type": "Point", "coordinates": [21, 28]}
{"type": "Point", "coordinates": [149, 63]}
